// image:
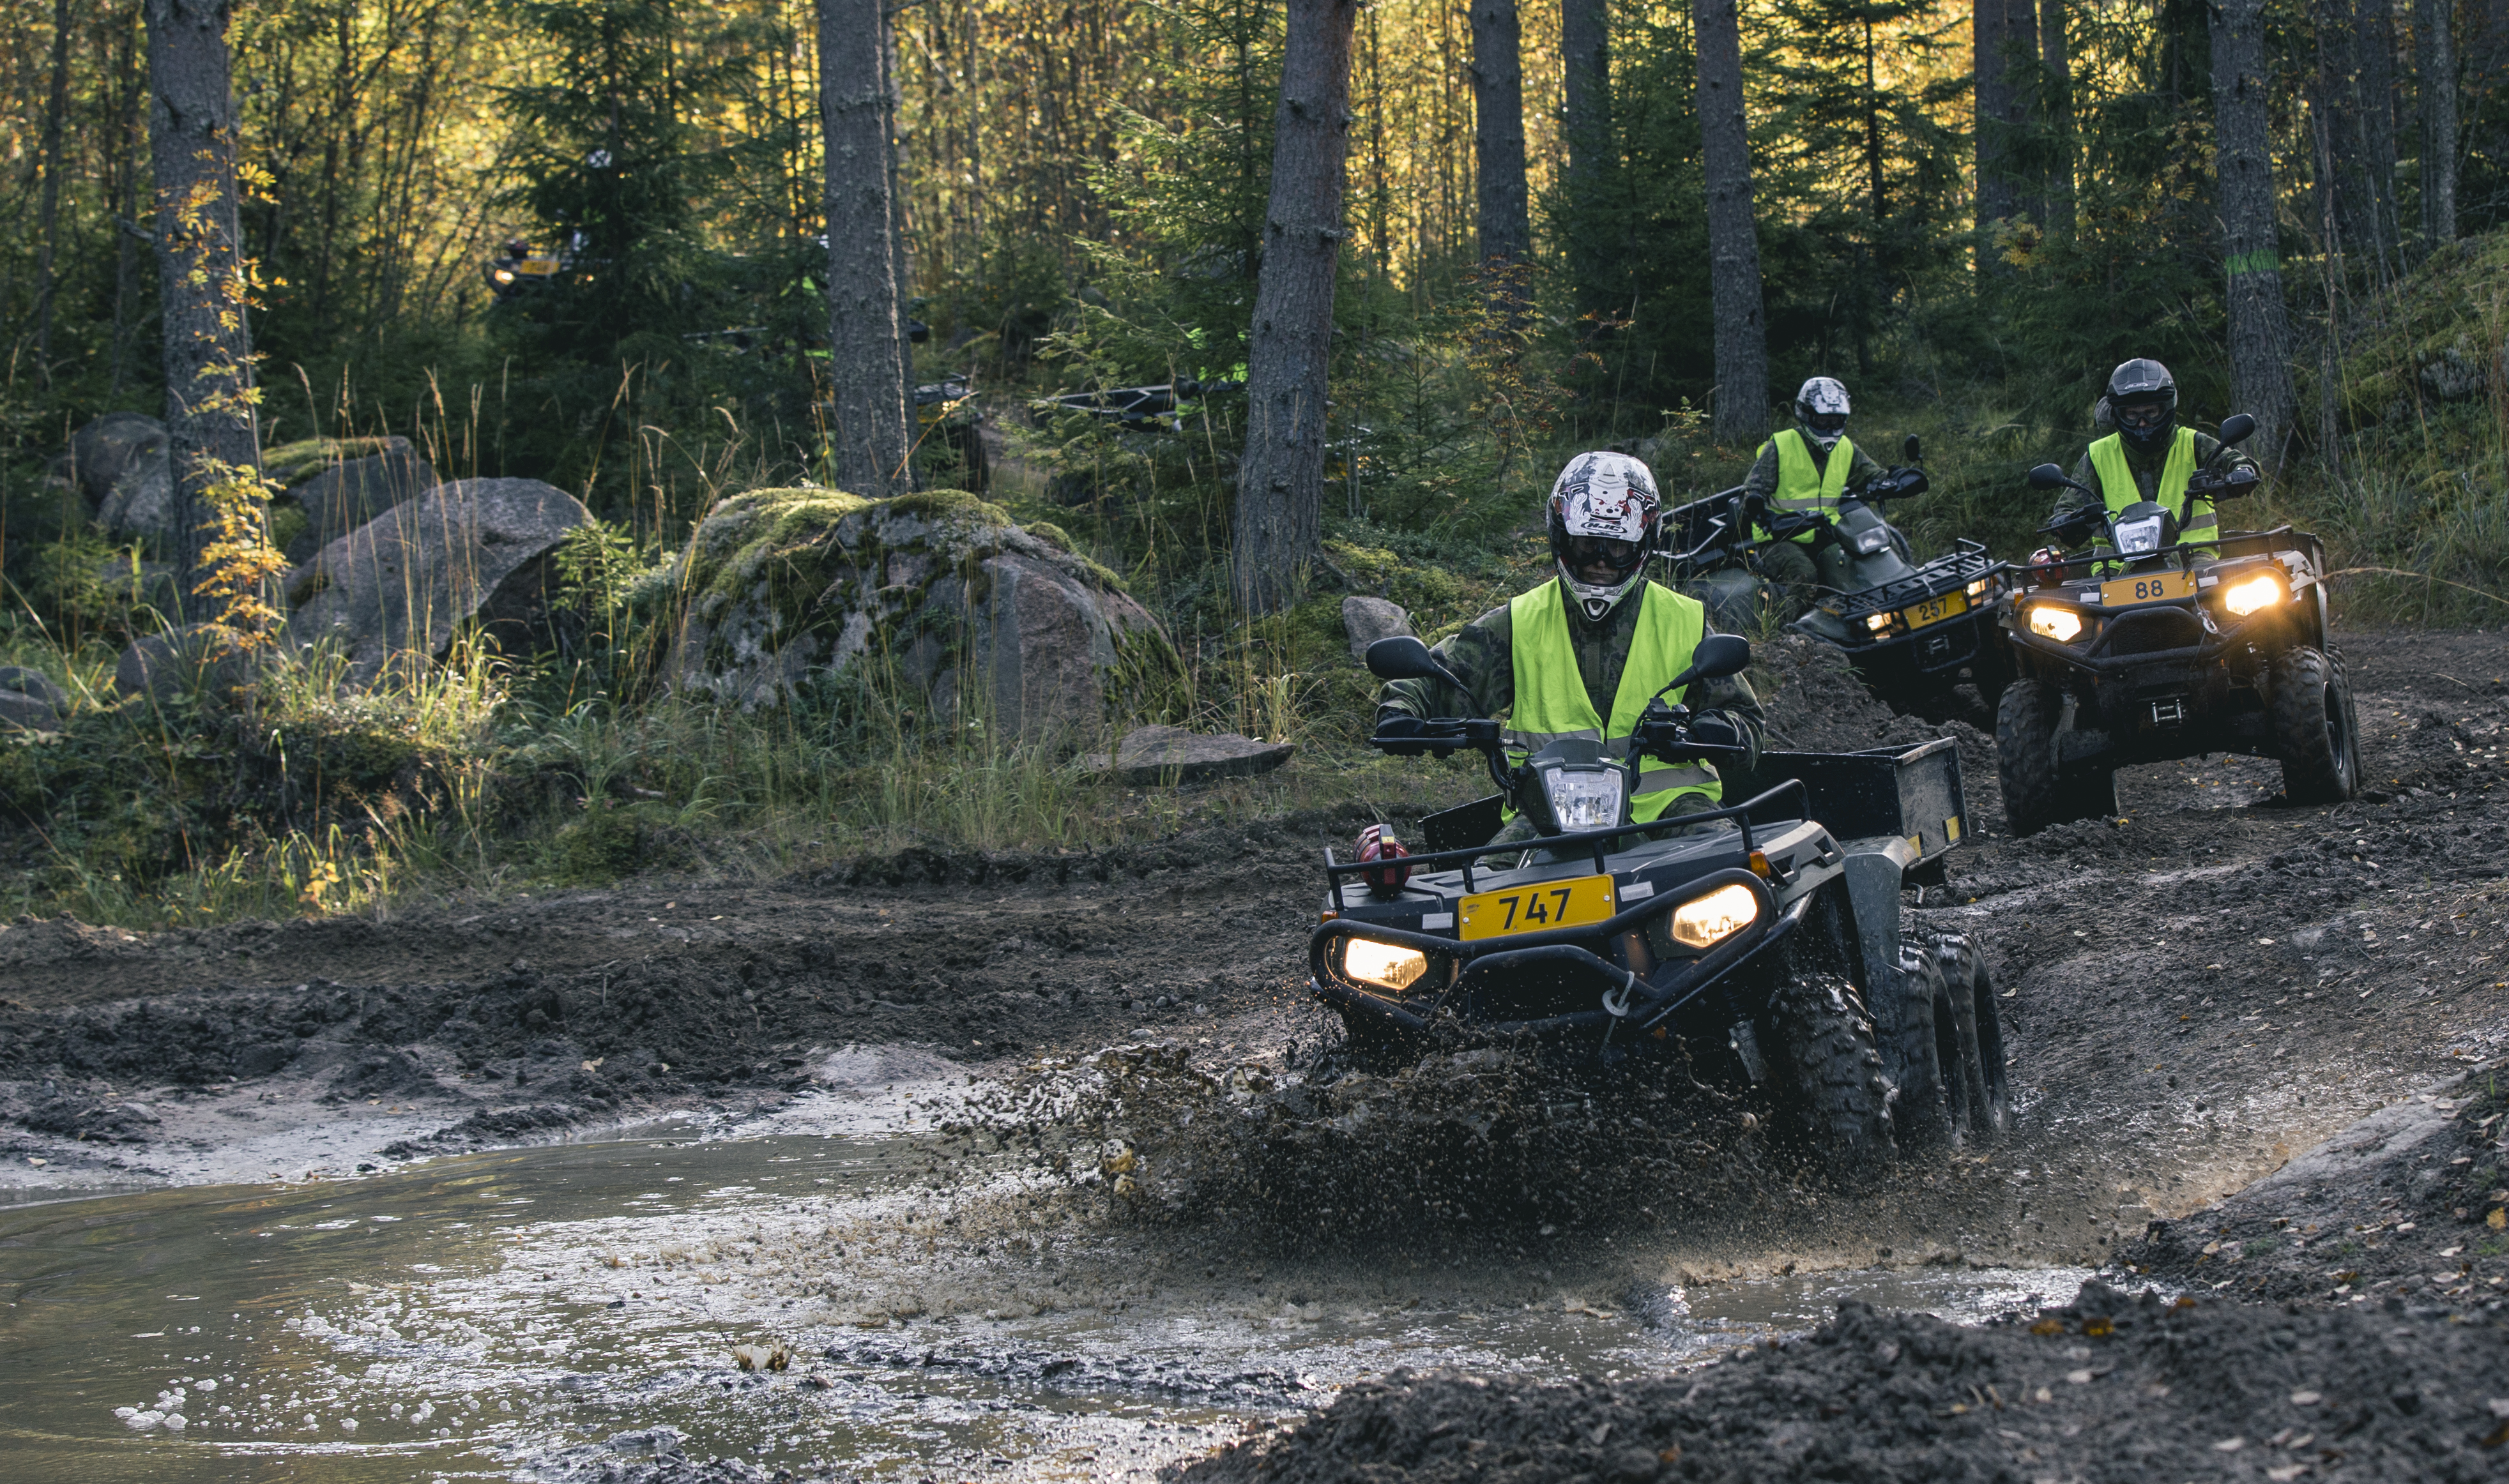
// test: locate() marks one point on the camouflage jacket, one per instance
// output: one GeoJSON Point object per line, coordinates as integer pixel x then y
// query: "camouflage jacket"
{"type": "Point", "coordinates": [2147, 473]}
{"type": "Point", "coordinates": [1763, 478]}
{"type": "Point", "coordinates": [1482, 655]}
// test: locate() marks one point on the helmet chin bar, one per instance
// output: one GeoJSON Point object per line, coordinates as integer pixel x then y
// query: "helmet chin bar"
{"type": "Point", "coordinates": [1598, 601]}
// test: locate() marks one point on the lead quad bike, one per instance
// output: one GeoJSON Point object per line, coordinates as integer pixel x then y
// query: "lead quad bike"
{"type": "Point", "coordinates": [1912, 630]}
{"type": "Point", "coordinates": [2157, 649]}
{"type": "Point", "coordinates": [1758, 945]}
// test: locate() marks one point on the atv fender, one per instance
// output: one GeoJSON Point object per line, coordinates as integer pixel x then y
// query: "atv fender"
{"type": "Point", "coordinates": [1875, 868]}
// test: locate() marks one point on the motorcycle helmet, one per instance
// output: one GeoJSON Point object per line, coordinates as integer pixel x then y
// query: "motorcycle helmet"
{"type": "Point", "coordinates": [1602, 513]}
{"type": "Point", "coordinates": [2142, 402]}
{"type": "Point", "coordinates": [1820, 406]}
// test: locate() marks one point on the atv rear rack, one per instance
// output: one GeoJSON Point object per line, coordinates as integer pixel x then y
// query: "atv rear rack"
{"type": "Point", "coordinates": [1962, 566]}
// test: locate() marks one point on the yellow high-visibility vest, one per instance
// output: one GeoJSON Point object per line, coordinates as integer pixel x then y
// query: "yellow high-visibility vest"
{"type": "Point", "coordinates": [2118, 490]}
{"type": "Point", "coordinates": [1801, 487]}
{"type": "Point", "coordinates": [1551, 700]}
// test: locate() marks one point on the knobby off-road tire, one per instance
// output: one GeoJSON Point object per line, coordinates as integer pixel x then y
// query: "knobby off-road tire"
{"type": "Point", "coordinates": [2036, 794]}
{"type": "Point", "coordinates": [1376, 1048]}
{"type": "Point", "coordinates": [1911, 1023]}
{"type": "Point", "coordinates": [1828, 1071]}
{"type": "Point", "coordinates": [1979, 1036]}
{"type": "Point", "coordinates": [2316, 735]}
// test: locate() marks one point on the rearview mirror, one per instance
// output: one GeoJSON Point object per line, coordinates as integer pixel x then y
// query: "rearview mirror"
{"type": "Point", "coordinates": [2048, 476]}
{"type": "Point", "coordinates": [1403, 658]}
{"type": "Point", "coordinates": [1911, 450]}
{"type": "Point", "coordinates": [2237, 425]}
{"type": "Point", "coordinates": [1717, 656]}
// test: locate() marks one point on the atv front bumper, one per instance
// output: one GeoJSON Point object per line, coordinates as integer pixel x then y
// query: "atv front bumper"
{"type": "Point", "coordinates": [1928, 657]}
{"type": "Point", "coordinates": [2152, 704]}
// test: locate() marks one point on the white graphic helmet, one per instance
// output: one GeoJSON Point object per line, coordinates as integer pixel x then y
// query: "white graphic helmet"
{"type": "Point", "coordinates": [1602, 510]}
{"type": "Point", "coordinates": [1820, 406]}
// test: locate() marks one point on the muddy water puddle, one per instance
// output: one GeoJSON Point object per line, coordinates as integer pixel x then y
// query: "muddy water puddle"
{"type": "Point", "coordinates": [479, 1316]}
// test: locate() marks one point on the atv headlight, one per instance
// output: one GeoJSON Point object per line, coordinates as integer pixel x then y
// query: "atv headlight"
{"type": "Point", "coordinates": [2051, 621]}
{"type": "Point", "coordinates": [1587, 799]}
{"type": "Point", "coordinates": [1386, 965]}
{"type": "Point", "coordinates": [1706, 922]}
{"type": "Point", "coordinates": [1877, 622]}
{"type": "Point", "coordinates": [1977, 589]}
{"type": "Point", "coordinates": [2140, 536]}
{"type": "Point", "coordinates": [504, 275]}
{"type": "Point", "coordinates": [1870, 541]}
{"type": "Point", "coordinates": [2249, 594]}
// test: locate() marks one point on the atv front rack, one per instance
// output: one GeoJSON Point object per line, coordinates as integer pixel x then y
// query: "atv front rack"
{"type": "Point", "coordinates": [1962, 566]}
{"type": "Point", "coordinates": [1600, 841]}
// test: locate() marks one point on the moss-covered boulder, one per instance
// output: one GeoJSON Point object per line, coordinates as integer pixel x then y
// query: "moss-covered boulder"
{"type": "Point", "coordinates": [330, 487]}
{"type": "Point", "coordinates": [940, 593]}
{"type": "Point", "coordinates": [2444, 338]}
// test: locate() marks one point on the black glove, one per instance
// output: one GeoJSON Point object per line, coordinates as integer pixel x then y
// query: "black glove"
{"type": "Point", "coordinates": [1400, 723]}
{"type": "Point", "coordinates": [1717, 729]}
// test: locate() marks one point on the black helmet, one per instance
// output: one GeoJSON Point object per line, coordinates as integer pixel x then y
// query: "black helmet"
{"type": "Point", "coordinates": [2142, 402]}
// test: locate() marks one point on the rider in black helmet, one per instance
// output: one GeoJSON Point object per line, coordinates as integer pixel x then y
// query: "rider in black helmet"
{"type": "Point", "coordinates": [2150, 455]}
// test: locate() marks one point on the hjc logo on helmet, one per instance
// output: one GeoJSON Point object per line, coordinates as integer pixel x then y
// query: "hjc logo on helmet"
{"type": "Point", "coordinates": [1602, 512]}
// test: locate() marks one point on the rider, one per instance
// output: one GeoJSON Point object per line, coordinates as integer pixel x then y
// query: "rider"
{"type": "Point", "coordinates": [1598, 640]}
{"type": "Point", "coordinates": [1807, 468]}
{"type": "Point", "coordinates": [2149, 456]}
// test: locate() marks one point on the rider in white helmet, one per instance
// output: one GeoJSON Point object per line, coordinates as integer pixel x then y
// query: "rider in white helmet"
{"type": "Point", "coordinates": [1806, 469]}
{"type": "Point", "coordinates": [1583, 651]}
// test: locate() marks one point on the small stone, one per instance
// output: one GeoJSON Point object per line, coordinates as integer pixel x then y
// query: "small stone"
{"type": "Point", "coordinates": [1368, 619]}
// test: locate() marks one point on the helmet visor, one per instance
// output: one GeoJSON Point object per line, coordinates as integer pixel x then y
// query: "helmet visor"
{"type": "Point", "coordinates": [1829, 425]}
{"type": "Point", "coordinates": [1588, 553]}
{"type": "Point", "coordinates": [2142, 417]}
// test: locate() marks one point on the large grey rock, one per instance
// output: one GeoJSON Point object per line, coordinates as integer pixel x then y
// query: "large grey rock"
{"type": "Point", "coordinates": [141, 504]}
{"type": "Point", "coordinates": [20, 711]}
{"type": "Point", "coordinates": [140, 584]}
{"type": "Point", "coordinates": [18, 679]}
{"type": "Point", "coordinates": [1151, 755]}
{"type": "Point", "coordinates": [399, 587]}
{"type": "Point", "coordinates": [1368, 619]}
{"type": "Point", "coordinates": [110, 446]}
{"type": "Point", "coordinates": [203, 659]}
{"type": "Point", "coordinates": [349, 493]}
{"type": "Point", "coordinates": [973, 617]}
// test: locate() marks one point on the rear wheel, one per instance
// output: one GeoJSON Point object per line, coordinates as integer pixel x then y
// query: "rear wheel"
{"type": "Point", "coordinates": [1918, 1031]}
{"type": "Point", "coordinates": [1979, 1036]}
{"type": "Point", "coordinates": [1829, 1069]}
{"type": "Point", "coordinates": [2037, 793]}
{"type": "Point", "coordinates": [2315, 731]}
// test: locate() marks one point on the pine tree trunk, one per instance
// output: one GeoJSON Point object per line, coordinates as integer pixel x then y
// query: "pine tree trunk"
{"type": "Point", "coordinates": [2374, 53]}
{"type": "Point", "coordinates": [2261, 381]}
{"type": "Point", "coordinates": [210, 426]}
{"type": "Point", "coordinates": [902, 262]}
{"type": "Point", "coordinates": [867, 428]}
{"type": "Point", "coordinates": [56, 107]}
{"type": "Point", "coordinates": [1990, 101]}
{"type": "Point", "coordinates": [2433, 27]}
{"type": "Point", "coordinates": [1741, 398]}
{"type": "Point", "coordinates": [2021, 101]}
{"type": "Point", "coordinates": [2055, 55]}
{"type": "Point", "coordinates": [1585, 50]}
{"type": "Point", "coordinates": [1280, 480]}
{"type": "Point", "coordinates": [2356, 77]}
{"type": "Point", "coordinates": [1497, 133]}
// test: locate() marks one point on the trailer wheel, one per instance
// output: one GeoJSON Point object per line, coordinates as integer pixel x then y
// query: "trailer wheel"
{"type": "Point", "coordinates": [2316, 735]}
{"type": "Point", "coordinates": [1980, 1035]}
{"type": "Point", "coordinates": [2036, 792]}
{"type": "Point", "coordinates": [1919, 1031]}
{"type": "Point", "coordinates": [1828, 1071]}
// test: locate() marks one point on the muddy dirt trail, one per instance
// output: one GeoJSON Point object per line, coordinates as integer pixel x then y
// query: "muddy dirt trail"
{"type": "Point", "coordinates": [2195, 993]}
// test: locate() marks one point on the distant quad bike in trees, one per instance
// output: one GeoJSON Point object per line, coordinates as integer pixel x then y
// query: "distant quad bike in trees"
{"type": "Point", "coordinates": [2154, 650]}
{"type": "Point", "coordinates": [1757, 946]}
{"type": "Point", "coordinates": [1912, 630]}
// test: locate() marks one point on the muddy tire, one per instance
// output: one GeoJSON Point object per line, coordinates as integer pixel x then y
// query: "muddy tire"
{"type": "Point", "coordinates": [2036, 794]}
{"type": "Point", "coordinates": [1917, 1030]}
{"type": "Point", "coordinates": [1978, 1036]}
{"type": "Point", "coordinates": [1377, 1048]}
{"type": "Point", "coordinates": [2316, 735]}
{"type": "Point", "coordinates": [1828, 1070]}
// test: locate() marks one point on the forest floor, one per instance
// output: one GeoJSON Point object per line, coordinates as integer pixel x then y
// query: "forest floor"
{"type": "Point", "coordinates": [2194, 994]}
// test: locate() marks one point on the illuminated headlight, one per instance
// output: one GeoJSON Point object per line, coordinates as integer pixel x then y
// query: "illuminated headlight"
{"type": "Point", "coordinates": [1706, 922]}
{"type": "Point", "coordinates": [1870, 541]}
{"type": "Point", "coordinates": [504, 275]}
{"type": "Point", "coordinates": [1877, 622]}
{"type": "Point", "coordinates": [1585, 799]}
{"type": "Point", "coordinates": [1978, 588]}
{"type": "Point", "coordinates": [2247, 595]}
{"type": "Point", "coordinates": [2061, 624]}
{"type": "Point", "coordinates": [1385, 965]}
{"type": "Point", "coordinates": [2139, 536]}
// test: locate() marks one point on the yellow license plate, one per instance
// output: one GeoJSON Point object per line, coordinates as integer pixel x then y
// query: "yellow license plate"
{"type": "Point", "coordinates": [1539, 908]}
{"type": "Point", "coordinates": [1935, 610]}
{"type": "Point", "coordinates": [2148, 587]}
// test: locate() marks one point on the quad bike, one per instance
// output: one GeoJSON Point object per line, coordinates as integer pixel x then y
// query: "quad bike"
{"type": "Point", "coordinates": [2154, 650]}
{"type": "Point", "coordinates": [1913, 631]}
{"type": "Point", "coordinates": [1758, 945]}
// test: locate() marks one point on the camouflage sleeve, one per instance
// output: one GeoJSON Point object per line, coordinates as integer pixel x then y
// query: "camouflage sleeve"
{"type": "Point", "coordinates": [2069, 500]}
{"type": "Point", "coordinates": [1763, 478]}
{"type": "Point", "coordinates": [2206, 446]}
{"type": "Point", "coordinates": [1482, 654]}
{"type": "Point", "coordinates": [1734, 696]}
{"type": "Point", "coordinates": [1862, 470]}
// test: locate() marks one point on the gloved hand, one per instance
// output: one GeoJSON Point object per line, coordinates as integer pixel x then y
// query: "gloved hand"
{"type": "Point", "coordinates": [1400, 723]}
{"type": "Point", "coordinates": [1717, 729]}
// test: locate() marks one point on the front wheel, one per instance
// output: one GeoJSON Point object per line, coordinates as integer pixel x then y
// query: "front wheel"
{"type": "Point", "coordinates": [1828, 1071]}
{"type": "Point", "coordinates": [2316, 735]}
{"type": "Point", "coordinates": [2037, 793]}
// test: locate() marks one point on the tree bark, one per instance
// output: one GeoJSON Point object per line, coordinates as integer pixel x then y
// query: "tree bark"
{"type": "Point", "coordinates": [56, 107]}
{"type": "Point", "coordinates": [1585, 50]}
{"type": "Point", "coordinates": [2261, 381]}
{"type": "Point", "coordinates": [2056, 58]}
{"type": "Point", "coordinates": [1991, 100]}
{"type": "Point", "coordinates": [2354, 79]}
{"type": "Point", "coordinates": [2433, 26]}
{"type": "Point", "coordinates": [867, 432]}
{"type": "Point", "coordinates": [1741, 398]}
{"type": "Point", "coordinates": [1498, 132]}
{"type": "Point", "coordinates": [893, 95]}
{"type": "Point", "coordinates": [210, 432]}
{"type": "Point", "coordinates": [1280, 480]}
